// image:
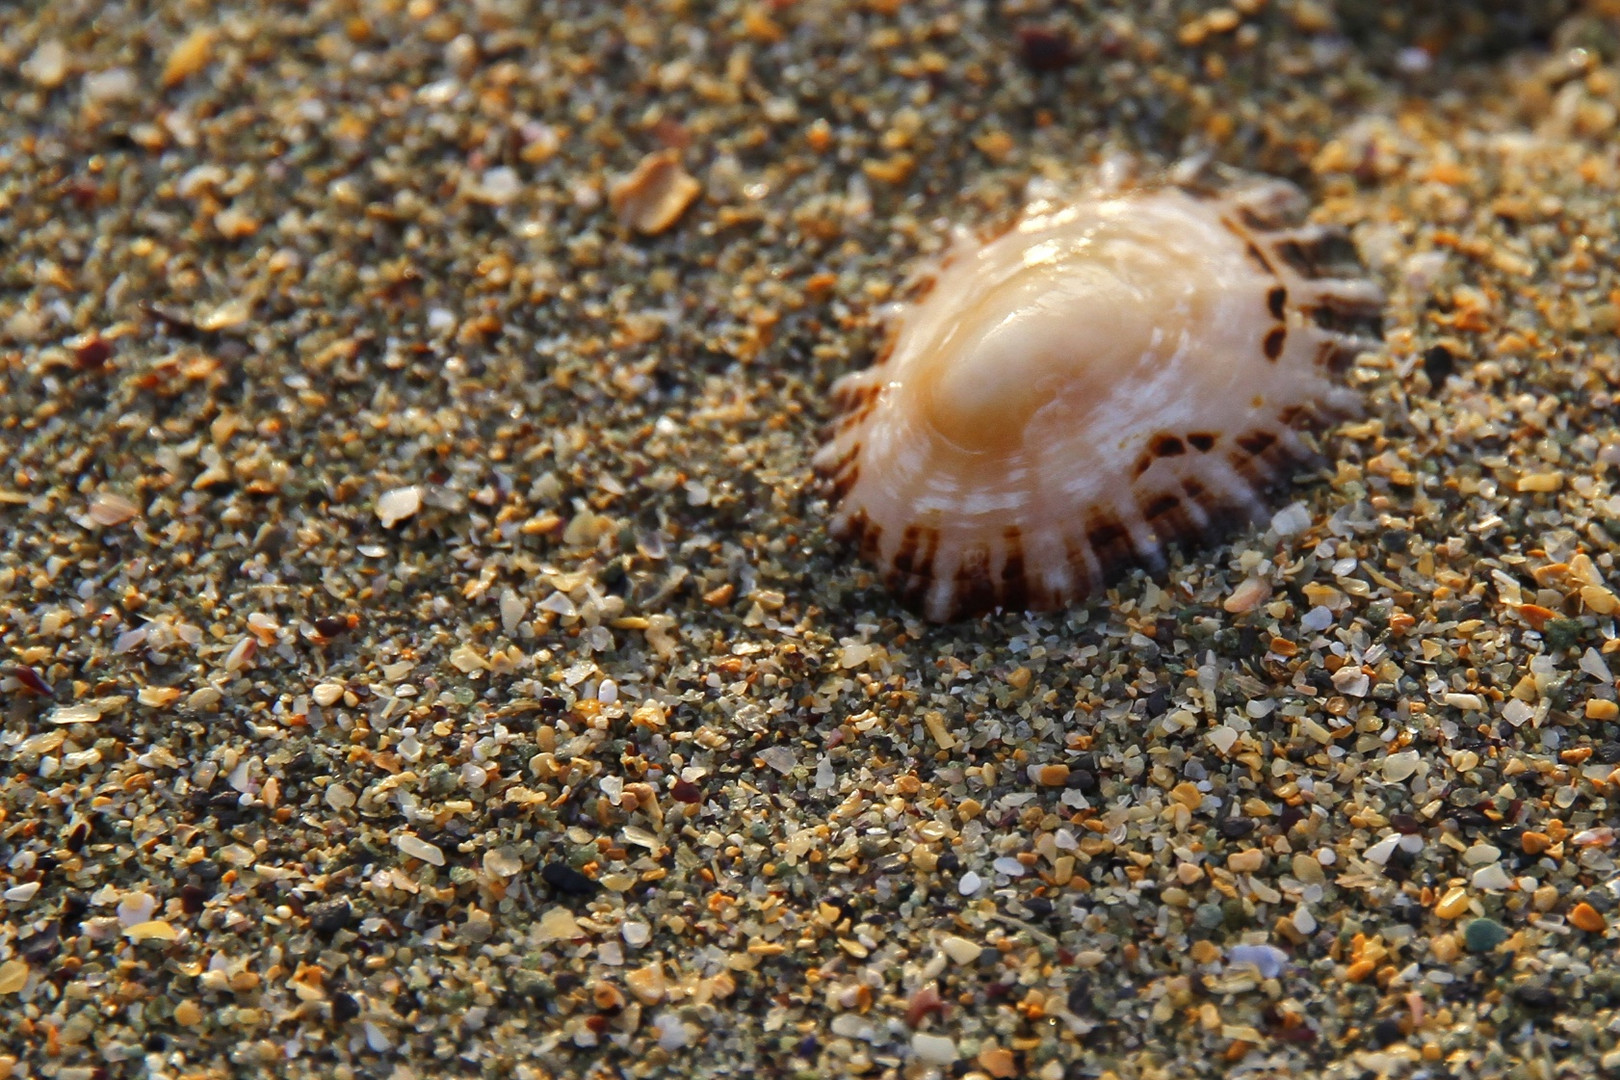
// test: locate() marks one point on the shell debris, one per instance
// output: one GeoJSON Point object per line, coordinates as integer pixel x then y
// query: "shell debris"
{"type": "Point", "coordinates": [655, 194]}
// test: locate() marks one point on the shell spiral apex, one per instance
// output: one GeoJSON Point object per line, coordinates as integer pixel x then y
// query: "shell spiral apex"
{"type": "Point", "coordinates": [1109, 375]}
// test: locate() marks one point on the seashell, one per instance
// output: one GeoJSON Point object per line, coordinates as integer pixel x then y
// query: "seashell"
{"type": "Point", "coordinates": [1109, 375]}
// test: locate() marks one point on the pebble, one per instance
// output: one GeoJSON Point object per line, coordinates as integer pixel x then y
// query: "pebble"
{"type": "Point", "coordinates": [647, 983]}
{"type": "Point", "coordinates": [1586, 917]}
{"type": "Point", "coordinates": [780, 758]}
{"type": "Point", "coordinates": [1492, 878]}
{"type": "Point", "coordinates": [672, 1032]}
{"type": "Point", "coordinates": [960, 949]}
{"type": "Point", "coordinates": [568, 881]}
{"type": "Point", "coordinates": [398, 504]}
{"type": "Point", "coordinates": [135, 907]}
{"type": "Point", "coordinates": [1452, 904]}
{"type": "Point", "coordinates": [417, 848]}
{"type": "Point", "coordinates": [189, 56]}
{"type": "Point", "coordinates": [1316, 620]}
{"type": "Point", "coordinates": [13, 976]}
{"type": "Point", "coordinates": [108, 509]}
{"type": "Point", "coordinates": [1050, 775]}
{"type": "Point", "coordinates": [330, 917]}
{"type": "Point", "coordinates": [499, 186]}
{"type": "Point", "coordinates": [1401, 766]}
{"type": "Point", "coordinates": [159, 697]}
{"type": "Point", "coordinates": [503, 862]}
{"type": "Point", "coordinates": [557, 924]}
{"type": "Point", "coordinates": [1246, 597]}
{"type": "Point", "coordinates": [153, 930]}
{"type": "Point", "coordinates": [1267, 959]}
{"type": "Point", "coordinates": [1483, 935]}
{"type": "Point", "coordinates": [934, 1049]}
{"type": "Point", "coordinates": [47, 65]}
{"type": "Point", "coordinates": [998, 1061]}
{"type": "Point", "coordinates": [1246, 862]}
{"type": "Point", "coordinates": [87, 713]}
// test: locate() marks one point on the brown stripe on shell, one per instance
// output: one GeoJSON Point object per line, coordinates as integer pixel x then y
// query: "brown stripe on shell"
{"type": "Point", "coordinates": [1277, 301]}
{"type": "Point", "coordinates": [1256, 442]}
{"type": "Point", "coordinates": [1274, 341]}
{"type": "Point", "coordinates": [843, 423]}
{"type": "Point", "coordinates": [1351, 318]}
{"type": "Point", "coordinates": [919, 292]}
{"type": "Point", "coordinates": [1252, 470]}
{"type": "Point", "coordinates": [912, 592]}
{"type": "Point", "coordinates": [1204, 188]}
{"type": "Point", "coordinates": [1080, 558]}
{"type": "Point", "coordinates": [848, 528]}
{"type": "Point", "coordinates": [975, 591]}
{"type": "Point", "coordinates": [1262, 457]}
{"type": "Point", "coordinates": [1163, 445]}
{"type": "Point", "coordinates": [1253, 251]}
{"type": "Point", "coordinates": [1285, 454]}
{"type": "Point", "coordinates": [974, 588]}
{"type": "Point", "coordinates": [1293, 253]}
{"type": "Point", "coordinates": [871, 542]}
{"type": "Point", "coordinates": [1223, 515]}
{"type": "Point", "coordinates": [1320, 256]}
{"type": "Point", "coordinates": [842, 476]}
{"type": "Point", "coordinates": [918, 547]}
{"type": "Point", "coordinates": [994, 230]}
{"type": "Point", "coordinates": [1110, 541]}
{"type": "Point", "coordinates": [884, 351]}
{"type": "Point", "coordinates": [1255, 222]}
{"type": "Point", "coordinates": [910, 575]}
{"type": "Point", "coordinates": [1166, 514]}
{"type": "Point", "coordinates": [855, 398]}
{"type": "Point", "coordinates": [1013, 591]}
{"type": "Point", "coordinates": [1337, 354]}
{"type": "Point", "coordinates": [1160, 505]}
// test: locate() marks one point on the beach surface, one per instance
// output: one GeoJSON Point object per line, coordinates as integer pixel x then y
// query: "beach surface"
{"type": "Point", "coordinates": [421, 649]}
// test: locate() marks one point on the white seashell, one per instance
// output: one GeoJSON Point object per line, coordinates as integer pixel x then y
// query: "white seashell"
{"type": "Point", "coordinates": [1105, 377]}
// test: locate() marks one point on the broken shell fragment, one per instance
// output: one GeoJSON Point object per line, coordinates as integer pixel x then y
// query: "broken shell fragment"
{"type": "Point", "coordinates": [655, 194]}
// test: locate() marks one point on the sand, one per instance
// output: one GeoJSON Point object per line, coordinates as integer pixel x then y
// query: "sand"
{"type": "Point", "coordinates": [421, 651]}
